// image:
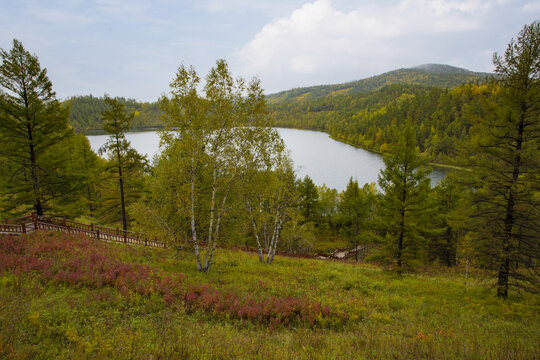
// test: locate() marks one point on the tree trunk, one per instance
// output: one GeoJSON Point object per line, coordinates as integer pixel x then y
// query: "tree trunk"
{"type": "Point", "coordinates": [504, 267]}
{"type": "Point", "coordinates": [211, 223]}
{"type": "Point", "coordinates": [193, 227]}
{"type": "Point", "coordinates": [121, 183]}
{"type": "Point", "coordinates": [38, 209]}
{"type": "Point", "coordinates": [255, 232]}
{"type": "Point", "coordinates": [35, 176]}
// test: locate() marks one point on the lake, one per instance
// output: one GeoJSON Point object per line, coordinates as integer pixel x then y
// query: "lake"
{"type": "Point", "coordinates": [314, 153]}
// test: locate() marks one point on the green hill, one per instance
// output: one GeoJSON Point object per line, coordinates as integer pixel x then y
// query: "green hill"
{"type": "Point", "coordinates": [85, 113]}
{"type": "Point", "coordinates": [437, 75]}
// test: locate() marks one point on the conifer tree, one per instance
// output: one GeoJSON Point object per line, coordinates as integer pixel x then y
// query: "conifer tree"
{"type": "Point", "coordinates": [355, 208]}
{"type": "Point", "coordinates": [116, 122]}
{"type": "Point", "coordinates": [32, 124]}
{"type": "Point", "coordinates": [309, 198]}
{"type": "Point", "coordinates": [506, 162]}
{"type": "Point", "coordinates": [405, 185]}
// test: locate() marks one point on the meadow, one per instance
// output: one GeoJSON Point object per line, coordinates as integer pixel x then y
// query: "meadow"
{"type": "Point", "coordinates": [65, 296]}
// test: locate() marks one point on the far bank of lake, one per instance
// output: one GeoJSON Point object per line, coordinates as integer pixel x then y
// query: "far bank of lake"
{"type": "Point", "coordinates": [314, 153]}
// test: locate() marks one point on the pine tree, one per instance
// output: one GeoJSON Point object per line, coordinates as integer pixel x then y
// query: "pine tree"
{"type": "Point", "coordinates": [405, 185]}
{"type": "Point", "coordinates": [506, 162]}
{"type": "Point", "coordinates": [355, 209]}
{"type": "Point", "coordinates": [32, 125]}
{"type": "Point", "coordinates": [309, 198]}
{"type": "Point", "coordinates": [125, 159]}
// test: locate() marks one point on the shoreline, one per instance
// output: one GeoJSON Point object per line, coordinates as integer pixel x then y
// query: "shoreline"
{"type": "Point", "coordinates": [438, 165]}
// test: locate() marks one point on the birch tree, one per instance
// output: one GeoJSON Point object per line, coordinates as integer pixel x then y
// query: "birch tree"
{"type": "Point", "coordinates": [208, 141]}
{"type": "Point", "coordinates": [269, 194]}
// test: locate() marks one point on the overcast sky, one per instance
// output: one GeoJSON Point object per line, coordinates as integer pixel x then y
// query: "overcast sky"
{"type": "Point", "coordinates": [132, 48]}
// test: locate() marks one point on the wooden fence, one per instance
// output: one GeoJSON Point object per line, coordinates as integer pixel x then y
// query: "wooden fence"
{"type": "Point", "coordinates": [33, 222]}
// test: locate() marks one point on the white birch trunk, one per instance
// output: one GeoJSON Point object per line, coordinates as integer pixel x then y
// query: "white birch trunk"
{"type": "Point", "coordinates": [193, 227]}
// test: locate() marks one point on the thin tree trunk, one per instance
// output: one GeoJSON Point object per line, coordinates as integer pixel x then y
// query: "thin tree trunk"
{"type": "Point", "coordinates": [35, 174]}
{"type": "Point", "coordinates": [89, 193]}
{"type": "Point", "coordinates": [33, 159]}
{"type": "Point", "coordinates": [210, 257]}
{"type": "Point", "coordinates": [276, 219]}
{"type": "Point", "coordinates": [276, 237]}
{"type": "Point", "coordinates": [504, 267]}
{"type": "Point", "coordinates": [255, 232]}
{"type": "Point", "coordinates": [193, 227]}
{"type": "Point", "coordinates": [399, 254]}
{"type": "Point", "coordinates": [121, 183]}
{"type": "Point", "coordinates": [211, 224]}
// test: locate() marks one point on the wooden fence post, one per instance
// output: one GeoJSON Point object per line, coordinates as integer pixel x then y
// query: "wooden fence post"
{"type": "Point", "coordinates": [23, 228]}
{"type": "Point", "coordinates": [98, 234]}
{"type": "Point", "coordinates": [35, 221]}
{"type": "Point", "coordinates": [125, 236]}
{"type": "Point", "coordinates": [92, 226]}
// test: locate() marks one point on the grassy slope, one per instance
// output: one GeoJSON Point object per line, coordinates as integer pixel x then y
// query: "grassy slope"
{"type": "Point", "coordinates": [439, 316]}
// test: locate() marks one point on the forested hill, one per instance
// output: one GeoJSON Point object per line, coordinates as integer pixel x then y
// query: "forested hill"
{"type": "Point", "coordinates": [85, 113]}
{"type": "Point", "coordinates": [437, 75]}
{"type": "Point", "coordinates": [441, 117]}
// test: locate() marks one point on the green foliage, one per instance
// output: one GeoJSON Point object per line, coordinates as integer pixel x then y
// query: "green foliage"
{"type": "Point", "coordinates": [33, 135]}
{"type": "Point", "coordinates": [448, 216]}
{"type": "Point", "coordinates": [441, 118]}
{"type": "Point", "coordinates": [403, 207]}
{"type": "Point", "coordinates": [356, 213]}
{"type": "Point", "coordinates": [85, 113]}
{"type": "Point", "coordinates": [504, 156]}
{"type": "Point", "coordinates": [308, 202]}
{"type": "Point", "coordinates": [126, 165]}
{"type": "Point", "coordinates": [211, 143]}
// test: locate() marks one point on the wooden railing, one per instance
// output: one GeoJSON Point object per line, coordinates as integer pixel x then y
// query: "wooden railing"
{"type": "Point", "coordinates": [33, 222]}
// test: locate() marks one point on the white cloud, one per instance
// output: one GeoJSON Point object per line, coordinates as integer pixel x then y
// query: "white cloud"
{"type": "Point", "coordinates": [316, 40]}
{"type": "Point", "coordinates": [532, 6]}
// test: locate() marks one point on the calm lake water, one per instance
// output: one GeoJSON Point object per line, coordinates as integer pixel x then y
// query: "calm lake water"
{"type": "Point", "coordinates": [314, 153]}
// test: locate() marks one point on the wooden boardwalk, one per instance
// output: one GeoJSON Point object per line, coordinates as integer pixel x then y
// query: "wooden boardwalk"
{"type": "Point", "coordinates": [31, 223]}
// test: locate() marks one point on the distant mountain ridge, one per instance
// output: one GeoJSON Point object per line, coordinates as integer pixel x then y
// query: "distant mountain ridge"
{"type": "Point", "coordinates": [438, 75]}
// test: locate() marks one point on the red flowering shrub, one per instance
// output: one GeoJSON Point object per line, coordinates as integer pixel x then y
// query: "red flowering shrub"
{"type": "Point", "coordinates": [79, 261]}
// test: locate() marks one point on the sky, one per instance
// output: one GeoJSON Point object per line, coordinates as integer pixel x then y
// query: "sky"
{"type": "Point", "coordinates": [133, 48]}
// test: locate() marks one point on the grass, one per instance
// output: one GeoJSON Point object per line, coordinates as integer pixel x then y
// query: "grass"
{"type": "Point", "coordinates": [64, 296]}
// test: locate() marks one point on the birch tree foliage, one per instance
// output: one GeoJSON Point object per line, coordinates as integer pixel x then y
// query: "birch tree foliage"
{"type": "Point", "coordinates": [269, 193]}
{"type": "Point", "coordinates": [210, 141]}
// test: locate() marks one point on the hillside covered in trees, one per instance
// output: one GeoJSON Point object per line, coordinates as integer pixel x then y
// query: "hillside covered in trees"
{"type": "Point", "coordinates": [438, 75]}
{"type": "Point", "coordinates": [441, 117]}
{"type": "Point", "coordinates": [85, 113]}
